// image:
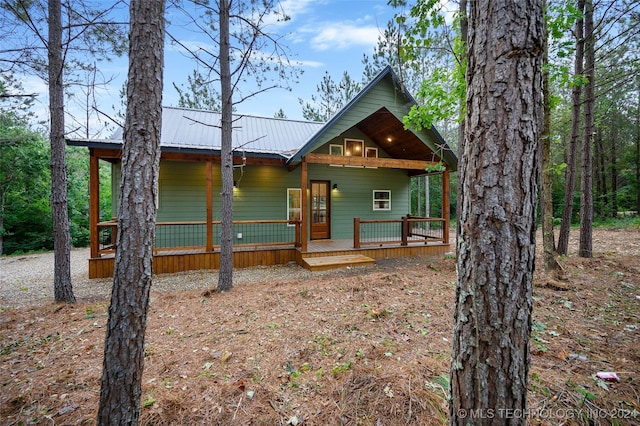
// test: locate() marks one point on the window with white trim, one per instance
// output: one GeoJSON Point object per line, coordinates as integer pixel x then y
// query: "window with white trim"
{"type": "Point", "coordinates": [354, 147]}
{"type": "Point", "coordinates": [294, 198]}
{"type": "Point", "coordinates": [381, 199]}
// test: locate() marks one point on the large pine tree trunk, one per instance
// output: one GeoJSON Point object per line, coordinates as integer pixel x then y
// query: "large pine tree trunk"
{"type": "Point", "coordinates": [585, 248]}
{"type": "Point", "coordinates": [570, 171]}
{"type": "Point", "coordinates": [2, 201]}
{"type": "Point", "coordinates": [546, 190]}
{"type": "Point", "coordinates": [613, 166]}
{"type": "Point", "coordinates": [638, 152]}
{"type": "Point", "coordinates": [498, 171]}
{"type": "Point", "coordinates": [124, 344]}
{"type": "Point", "coordinates": [600, 176]}
{"type": "Point", "coordinates": [464, 33]}
{"type": "Point", "coordinates": [62, 287]}
{"type": "Point", "coordinates": [225, 277]}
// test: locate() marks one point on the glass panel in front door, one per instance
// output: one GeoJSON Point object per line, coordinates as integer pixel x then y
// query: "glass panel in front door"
{"type": "Point", "coordinates": [319, 191]}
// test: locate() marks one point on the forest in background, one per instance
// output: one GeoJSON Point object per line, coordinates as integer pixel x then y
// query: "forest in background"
{"type": "Point", "coordinates": [25, 189]}
{"type": "Point", "coordinates": [25, 180]}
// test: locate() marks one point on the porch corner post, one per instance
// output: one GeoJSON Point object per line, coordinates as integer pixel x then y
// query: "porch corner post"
{"type": "Point", "coordinates": [446, 210]}
{"type": "Point", "coordinates": [94, 203]}
{"type": "Point", "coordinates": [405, 231]}
{"type": "Point", "coordinates": [209, 206]}
{"type": "Point", "coordinates": [297, 231]}
{"type": "Point", "coordinates": [303, 202]}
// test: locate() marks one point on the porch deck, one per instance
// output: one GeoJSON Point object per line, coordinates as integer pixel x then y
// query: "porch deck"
{"type": "Point", "coordinates": [188, 259]}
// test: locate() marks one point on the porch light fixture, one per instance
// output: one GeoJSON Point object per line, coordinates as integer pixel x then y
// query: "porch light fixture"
{"type": "Point", "coordinates": [335, 186]}
{"type": "Point", "coordinates": [235, 183]}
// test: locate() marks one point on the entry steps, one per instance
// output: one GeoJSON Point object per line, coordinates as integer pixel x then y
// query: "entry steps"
{"type": "Point", "coordinates": [325, 263]}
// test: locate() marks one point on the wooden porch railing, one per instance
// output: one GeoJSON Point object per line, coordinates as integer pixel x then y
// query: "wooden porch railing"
{"type": "Point", "coordinates": [409, 229]}
{"type": "Point", "coordinates": [194, 235]}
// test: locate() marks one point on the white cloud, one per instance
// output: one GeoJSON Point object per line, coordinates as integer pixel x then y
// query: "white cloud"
{"type": "Point", "coordinates": [295, 8]}
{"type": "Point", "coordinates": [340, 35]}
{"type": "Point", "coordinates": [310, 64]}
{"type": "Point", "coordinates": [33, 84]}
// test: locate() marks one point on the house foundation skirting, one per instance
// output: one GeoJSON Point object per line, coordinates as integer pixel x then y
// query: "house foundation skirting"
{"type": "Point", "coordinates": [180, 261]}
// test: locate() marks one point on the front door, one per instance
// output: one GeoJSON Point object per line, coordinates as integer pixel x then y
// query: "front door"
{"type": "Point", "coordinates": [320, 211]}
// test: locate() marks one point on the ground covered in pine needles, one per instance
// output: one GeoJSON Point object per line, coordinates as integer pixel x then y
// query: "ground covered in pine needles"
{"type": "Point", "coordinates": [356, 347]}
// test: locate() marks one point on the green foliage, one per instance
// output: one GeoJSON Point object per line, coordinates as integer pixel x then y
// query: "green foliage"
{"type": "Point", "coordinates": [443, 87]}
{"type": "Point", "coordinates": [77, 195]}
{"type": "Point", "coordinates": [342, 368]}
{"type": "Point", "coordinates": [332, 96]}
{"type": "Point", "coordinates": [627, 222]}
{"type": "Point", "coordinates": [149, 400]}
{"type": "Point", "coordinates": [441, 99]}
{"type": "Point", "coordinates": [16, 104]}
{"type": "Point", "coordinates": [200, 93]}
{"type": "Point", "coordinates": [280, 114]}
{"type": "Point", "coordinates": [25, 188]}
{"type": "Point", "coordinates": [561, 17]}
{"type": "Point", "coordinates": [25, 214]}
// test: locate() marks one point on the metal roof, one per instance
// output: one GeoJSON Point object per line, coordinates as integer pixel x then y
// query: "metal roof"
{"type": "Point", "coordinates": [188, 129]}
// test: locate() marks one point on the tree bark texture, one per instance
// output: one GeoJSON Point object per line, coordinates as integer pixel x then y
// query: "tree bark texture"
{"type": "Point", "coordinates": [498, 172]}
{"type": "Point", "coordinates": [613, 167]}
{"type": "Point", "coordinates": [546, 189]}
{"type": "Point", "coordinates": [638, 151]}
{"type": "Point", "coordinates": [62, 286]}
{"type": "Point", "coordinates": [464, 33]}
{"type": "Point", "coordinates": [585, 247]}
{"type": "Point", "coordinates": [600, 176]}
{"type": "Point", "coordinates": [124, 344]}
{"type": "Point", "coordinates": [570, 173]}
{"type": "Point", "coordinates": [225, 274]}
{"type": "Point", "coordinates": [2, 204]}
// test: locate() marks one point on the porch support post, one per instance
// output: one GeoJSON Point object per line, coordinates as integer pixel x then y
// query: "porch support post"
{"type": "Point", "coordinates": [94, 203]}
{"type": "Point", "coordinates": [405, 231]}
{"type": "Point", "coordinates": [209, 206]}
{"type": "Point", "coordinates": [303, 202]}
{"type": "Point", "coordinates": [446, 213]}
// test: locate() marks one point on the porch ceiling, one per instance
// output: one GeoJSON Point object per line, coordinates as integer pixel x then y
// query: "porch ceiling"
{"type": "Point", "coordinates": [382, 125]}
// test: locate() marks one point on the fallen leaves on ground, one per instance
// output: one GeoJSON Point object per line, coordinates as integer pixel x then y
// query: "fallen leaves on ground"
{"type": "Point", "coordinates": [366, 346]}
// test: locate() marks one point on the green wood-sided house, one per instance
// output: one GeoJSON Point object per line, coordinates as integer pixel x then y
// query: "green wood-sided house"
{"type": "Point", "coordinates": [303, 191]}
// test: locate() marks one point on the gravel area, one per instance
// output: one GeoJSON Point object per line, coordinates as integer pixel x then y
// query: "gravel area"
{"type": "Point", "coordinates": [28, 279]}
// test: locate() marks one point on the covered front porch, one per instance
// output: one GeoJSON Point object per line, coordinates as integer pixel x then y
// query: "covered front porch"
{"type": "Point", "coordinates": [276, 242]}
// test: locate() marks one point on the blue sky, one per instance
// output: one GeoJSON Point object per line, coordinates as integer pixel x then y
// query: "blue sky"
{"type": "Point", "coordinates": [322, 35]}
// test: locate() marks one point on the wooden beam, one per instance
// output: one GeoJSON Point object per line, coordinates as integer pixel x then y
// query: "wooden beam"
{"type": "Point", "coordinates": [237, 159]}
{"type": "Point", "coordinates": [105, 153]}
{"type": "Point", "coordinates": [388, 163]}
{"type": "Point", "coordinates": [446, 213]}
{"type": "Point", "coordinates": [94, 203]}
{"type": "Point", "coordinates": [303, 206]}
{"type": "Point", "coordinates": [209, 206]}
